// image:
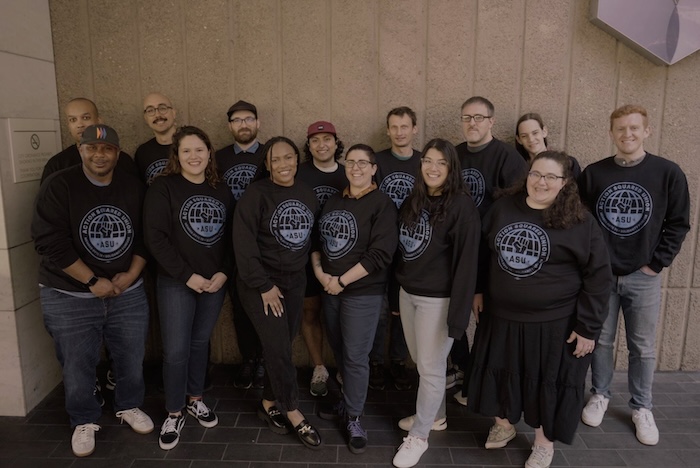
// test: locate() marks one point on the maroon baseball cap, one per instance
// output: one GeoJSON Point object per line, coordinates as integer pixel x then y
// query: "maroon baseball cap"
{"type": "Point", "coordinates": [320, 127]}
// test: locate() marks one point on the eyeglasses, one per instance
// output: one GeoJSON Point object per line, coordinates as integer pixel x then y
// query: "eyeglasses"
{"type": "Point", "coordinates": [548, 178]}
{"type": "Point", "coordinates": [362, 164]}
{"type": "Point", "coordinates": [151, 111]}
{"type": "Point", "coordinates": [440, 163]}
{"type": "Point", "coordinates": [477, 118]}
{"type": "Point", "coordinates": [239, 121]}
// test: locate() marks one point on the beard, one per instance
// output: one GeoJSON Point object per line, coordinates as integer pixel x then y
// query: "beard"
{"type": "Point", "coordinates": [244, 136]}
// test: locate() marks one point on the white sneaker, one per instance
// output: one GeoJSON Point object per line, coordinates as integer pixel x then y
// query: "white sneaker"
{"type": "Point", "coordinates": [83, 440]}
{"type": "Point", "coordinates": [647, 432]}
{"type": "Point", "coordinates": [407, 423]}
{"type": "Point", "coordinates": [410, 451]}
{"type": "Point", "coordinates": [541, 457]}
{"type": "Point", "coordinates": [593, 412]}
{"type": "Point", "coordinates": [462, 400]}
{"type": "Point", "coordinates": [499, 436]}
{"type": "Point", "coordinates": [138, 420]}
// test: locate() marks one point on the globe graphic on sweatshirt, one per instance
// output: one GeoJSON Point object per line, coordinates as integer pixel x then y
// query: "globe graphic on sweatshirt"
{"type": "Point", "coordinates": [106, 232]}
{"type": "Point", "coordinates": [291, 224]}
{"type": "Point", "coordinates": [203, 218]}
{"type": "Point", "coordinates": [624, 208]}
{"type": "Point", "coordinates": [522, 249]}
{"type": "Point", "coordinates": [238, 178]}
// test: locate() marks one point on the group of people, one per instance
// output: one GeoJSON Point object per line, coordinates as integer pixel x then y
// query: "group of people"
{"type": "Point", "coordinates": [542, 254]}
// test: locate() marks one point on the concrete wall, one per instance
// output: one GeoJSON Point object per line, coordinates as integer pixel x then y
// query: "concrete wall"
{"type": "Point", "coordinates": [350, 62]}
{"type": "Point", "coordinates": [28, 366]}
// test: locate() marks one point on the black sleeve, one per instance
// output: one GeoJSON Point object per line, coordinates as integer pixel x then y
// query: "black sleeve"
{"type": "Point", "coordinates": [127, 164]}
{"type": "Point", "coordinates": [51, 228]}
{"type": "Point", "coordinates": [384, 238]}
{"type": "Point", "coordinates": [246, 225]}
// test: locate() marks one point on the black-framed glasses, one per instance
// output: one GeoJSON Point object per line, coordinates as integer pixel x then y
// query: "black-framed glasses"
{"type": "Point", "coordinates": [238, 121]}
{"type": "Point", "coordinates": [362, 164]}
{"type": "Point", "coordinates": [151, 111]}
{"type": "Point", "coordinates": [477, 118]}
{"type": "Point", "coordinates": [548, 178]}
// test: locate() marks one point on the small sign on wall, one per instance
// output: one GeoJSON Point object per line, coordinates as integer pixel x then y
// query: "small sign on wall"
{"type": "Point", "coordinates": [32, 143]}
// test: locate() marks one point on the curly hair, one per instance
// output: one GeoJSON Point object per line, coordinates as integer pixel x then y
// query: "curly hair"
{"type": "Point", "coordinates": [340, 147]}
{"type": "Point", "coordinates": [262, 171]}
{"type": "Point", "coordinates": [418, 200]}
{"type": "Point", "coordinates": [211, 174]}
{"type": "Point", "coordinates": [567, 210]}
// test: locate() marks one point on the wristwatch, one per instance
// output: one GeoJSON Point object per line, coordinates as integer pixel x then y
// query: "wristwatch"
{"type": "Point", "coordinates": [92, 281]}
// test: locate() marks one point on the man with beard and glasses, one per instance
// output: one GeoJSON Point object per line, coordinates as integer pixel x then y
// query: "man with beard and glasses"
{"type": "Point", "coordinates": [237, 164]}
{"type": "Point", "coordinates": [151, 157]}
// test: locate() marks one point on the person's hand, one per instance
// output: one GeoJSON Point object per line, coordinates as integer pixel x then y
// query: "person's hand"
{"type": "Point", "coordinates": [104, 288]}
{"type": "Point", "coordinates": [583, 345]}
{"type": "Point", "coordinates": [323, 278]}
{"type": "Point", "coordinates": [333, 287]}
{"type": "Point", "coordinates": [477, 306]}
{"type": "Point", "coordinates": [216, 282]}
{"type": "Point", "coordinates": [648, 271]}
{"type": "Point", "coordinates": [271, 302]}
{"type": "Point", "coordinates": [123, 280]}
{"type": "Point", "coordinates": [198, 283]}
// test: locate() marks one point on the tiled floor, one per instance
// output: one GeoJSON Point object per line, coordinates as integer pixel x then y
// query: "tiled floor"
{"type": "Point", "coordinates": [42, 439]}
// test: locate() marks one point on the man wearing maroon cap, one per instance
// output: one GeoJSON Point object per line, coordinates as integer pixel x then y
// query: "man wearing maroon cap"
{"type": "Point", "coordinates": [325, 176]}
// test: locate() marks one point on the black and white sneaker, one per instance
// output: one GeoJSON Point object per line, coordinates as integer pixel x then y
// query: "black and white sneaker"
{"type": "Point", "coordinates": [111, 380]}
{"type": "Point", "coordinates": [170, 431]}
{"type": "Point", "coordinates": [204, 415]}
{"type": "Point", "coordinates": [98, 393]}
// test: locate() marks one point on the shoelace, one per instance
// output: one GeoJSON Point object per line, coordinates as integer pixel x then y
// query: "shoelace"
{"type": "Point", "coordinates": [497, 430]}
{"type": "Point", "coordinates": [170, 424]}
{"type": "Point", "coordinates": [200, 409]}
{"type": "Point", "coordinates": [320, 375]}
{"type": "Point", "coordinates": [644, 419]}
{"type": "Point", "coordinates": [85, 431]}
{"type": "Point", "coordinates": [410, 441]}
{"type": "Point", "coordinates": [540, 454]}
{"type": "Point", "coordinates": [355, 429]}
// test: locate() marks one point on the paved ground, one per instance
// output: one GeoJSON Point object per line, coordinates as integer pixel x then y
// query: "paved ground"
{"type": "Point", "coordinates": [42, 439]}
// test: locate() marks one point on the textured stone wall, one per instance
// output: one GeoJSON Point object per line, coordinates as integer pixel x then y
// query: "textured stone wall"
{"type": "Point", "coordinates": [351, 61]}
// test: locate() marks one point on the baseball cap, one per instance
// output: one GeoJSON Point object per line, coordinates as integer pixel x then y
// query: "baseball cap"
{"type": "Point", "coordinates": [242, 105]}
{"type": "Point", "coordinates": [100, 133]}
{"type": "Point", "coordinates": [320, 127]}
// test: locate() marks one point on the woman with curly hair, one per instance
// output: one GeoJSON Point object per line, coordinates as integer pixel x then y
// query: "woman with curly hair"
{"type": "Point", "coordinates": [548, 285]}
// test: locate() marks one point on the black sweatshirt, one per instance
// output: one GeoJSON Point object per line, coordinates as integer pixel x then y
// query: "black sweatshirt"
{"type": "Point", "coordinates": [187, 227]}
{"type": "Point", "coordinates": [271, 231]}
{"type": "Point", "coordinates": [442, 260]}
{"type": "Point", "coordinates": [238, 169]}
{"type": "Point", "coordinates": [76, 219]}
{"type": "Point", "coordinates": [151, 158]}
{"type": "Point", "coordinates": [71, 157]}
{"type": "Point", "coordinates": [497, 166]}
{"type": "Point", "coordinates": [396, 177]}
{"type": "Point", "coordinates": [324, 184]}
{"type": "Point", "coordinates": [643, 210]}
{"type": "Point", "coordinates": [359, 230]}
{"type": "Point", "coordinates": [539, 274]}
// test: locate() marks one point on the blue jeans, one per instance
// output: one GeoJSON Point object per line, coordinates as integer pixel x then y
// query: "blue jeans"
{"type": "Point", "coordinates": [78, 326]}
{"type": "Point", "coordinates": [350, 323]}
{"type": "Point", "coordinates": [397, 342]}
{"type": "Point", "coordinates": [639, 297]}
{"type": "Point", "coordinates": [187, 319]}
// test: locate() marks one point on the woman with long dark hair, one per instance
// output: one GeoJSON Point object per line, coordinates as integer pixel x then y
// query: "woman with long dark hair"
{"type": "Point", "coordinates": [187, 214]}
{"type": "Point", "coordinates": [531, 139]}
{"type": "Point", "coordinates": [271, 231]}
{"type": "Point", "coordinates": [548, 286]}
{"type": "Point", "coordinates": [439, 229]}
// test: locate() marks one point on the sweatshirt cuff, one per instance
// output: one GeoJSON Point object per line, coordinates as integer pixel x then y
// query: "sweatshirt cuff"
{"type": "Point", "coordinates": [656, 266]}
{"type": "Point", "coordinates": [585, 332]}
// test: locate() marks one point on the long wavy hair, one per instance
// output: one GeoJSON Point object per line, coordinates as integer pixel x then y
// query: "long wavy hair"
{"type": "Point", "coordinates": [173, 166]}
{"type": "Point", "coordinates": [529, 116]}
{"type": "Point", "coordinates": [567, 210]}
{"type": "Point", "coordinates": [418, 200]}
{"type": "Point", "coordinates": [263, 172]}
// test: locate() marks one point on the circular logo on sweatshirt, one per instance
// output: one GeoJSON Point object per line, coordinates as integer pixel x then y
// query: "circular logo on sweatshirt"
{"type": "Point", "coordinates": [154, 169]}
{"type": "Point", "coordinates": [323, 193]}
{"type": "Point", "coordinates": [398, 186]}
{"type": "Point", "coordinates": [203, 218]}
{"type": "Point", "coordinates": [106, 232]}
{"type": "Point", "coordinates": [291, 224]}
{"type": "Point", "coordinates": [522, 249]}
{"type": "Point", "coordinates": [476, 184]}
{"type": "Point", "coordinates": [624, 208]}
{"type": "Point", "coordinates": [413, 241]}
{"type": "Point", "coordinates": [338, 233]}
{"type": "Point", "coordinates": [239, 177]}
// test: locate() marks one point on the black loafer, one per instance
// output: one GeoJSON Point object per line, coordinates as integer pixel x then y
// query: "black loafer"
{"type": "Point", "coordinates": [308, 435]}
{"type": "Point", "coordinates": [274, 419]}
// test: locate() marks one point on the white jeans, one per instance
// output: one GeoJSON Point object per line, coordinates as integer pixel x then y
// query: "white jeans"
{"type": "Point", "coordinates": [424, 321]}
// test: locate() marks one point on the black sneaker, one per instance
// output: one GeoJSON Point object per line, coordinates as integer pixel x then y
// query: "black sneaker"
{"type": "Point", "coordinates": [333, 413]}
{"type": "Point", "coordinates": [399, 375]}
{"type": "Point", "coordinates": [170, 431]}
{"type": "Point", "coordinates": [111, 380]}
{"type": "Point", "coordinates": [97, 391]}
{"type": "Point", "coordinates": [259, 378]}
{"type": "Point", "coordinates": [204, 415]}
{"type": "Point", "coordinates": [376, 376]}
{"type": "Point", "coordinates": [357, 436]}
{"type": "Point", "coordinates": [244, 378]}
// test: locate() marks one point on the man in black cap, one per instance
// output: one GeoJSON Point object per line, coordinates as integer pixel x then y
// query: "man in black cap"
{"type": "Point", "coordinates": [87, 230]}
{"type": "Point", "coordinates": [237, 164]}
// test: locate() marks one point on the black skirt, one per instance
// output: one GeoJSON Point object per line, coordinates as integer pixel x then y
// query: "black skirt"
{"type": "Point", "coordinates": [524, 367]}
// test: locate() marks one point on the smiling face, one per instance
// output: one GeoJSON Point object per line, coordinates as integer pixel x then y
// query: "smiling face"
{"type": "Point", "coordinates": [193, 156]}
{"type": "Point", "coordinates": [477, 133]}
{"type": "Point", "coordinates": [401, 131]}
{"type": "Point", "coordinates": [532, 136]}
{"type": "Point", "coordinates": [434, 169]}
{"type": "Point", "coordinates": [80, 114]}
{"type": "Point", "coordinates": [541, 192]}
{"type": "Point", "coordinates": [323, 147]}
{"type": "Point", "coordinates": [628, 133]}
{"type": "Point", "coordinates": [244, 127]}
{"type": "Point", "coordinates": [281, 162]}
{"type": "Point", "coordinates": [99, 160]}
{"type": "Point", "coordinates": [163, 119]}
{"type": "Point", "coordinates": [359, 178]}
